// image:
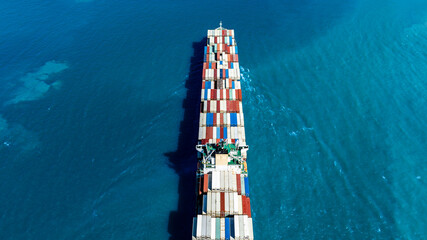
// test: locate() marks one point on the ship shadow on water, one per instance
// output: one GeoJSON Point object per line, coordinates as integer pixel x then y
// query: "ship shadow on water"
{"type": "Point", "coordinates": [184, 159]}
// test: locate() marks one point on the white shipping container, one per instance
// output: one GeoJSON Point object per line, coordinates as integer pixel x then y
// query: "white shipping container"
{"type": "Point", "coordinates": [202, 95]}
{"type": "Point", "coordinates": [209, 204]}
{"type": "Point", "coordinates": [240, 107]}
{"type": "Point", "coordinates": [246, 227]}
{"type": "Point", "coordinates": [227, 84]}
{"type": "Point", "coordinates": [242, 120]}
{"type": "Point", "coordinates": [236, 202]}
{"type": "Point", "coordinates": [222, 180]}
{"type": "Point", "coordinates": [236, 65]}
{"type": "Point", "coordinates": [241, 227]}
{"type": "Point", "coordinates": [224, 92]}
{"type": "Point", "coordinates": [228, 135]}
{"type": "Point", "coordinates": [232, 133]}
{"type": "Point", "coordinates": [213, 202]}
{"type": "Point", "coordinates": [213, 106]}
{"type": "Point", "coordinates": [239, 202]}
{"type": "Point", "coordinates": [222, 228]}
{"type": "Point", "coordinates": [227, 203]}
{"type": "Point", "coordinates": [209, 95]}
{"type": "Point", "coordinates": [228, 124]}
{"type": "Point", "coordinates": [214, 133]}
{"type": "Point", "coordinates": [218, 94]}
{"type": "Point", "coordinates": [236, 227]}
{"type": "Point", "coordinates": [226, 120]}
{"type": "Point", "coordinates": [203, 225]}
{"type": "Point", "coordinates": [233, 182]}
{"type": "Point", "coordinates": [222, 106]}
{"type": "Point", "coordinates": [250, 229]}
{"type": "Point", "coordinates": [214, 180]}
{"type": "Point", "coordinates": [226, 180]}
{"type": "Point", "coordinates": [205, 106]}
{"type": "Point", "coordinates": [238, 119]}
{"type": "Point", "coordinates": [213, 221]}
{"type": "Point", "coordinates": [218, 204]}
{"type": "Point", "coordinates": [238, 73]}
{"type": "Point", "coordinates": [208, 226]}
{"type": "Point", "coordinates": [243, 133]}
{"type": "Point", "coordinates": [231, 198]}
{"type": "Point", "coordinates": [218, 119]}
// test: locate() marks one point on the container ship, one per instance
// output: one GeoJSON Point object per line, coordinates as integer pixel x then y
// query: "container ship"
{"type": "Point", "coordinates": [223, 208]}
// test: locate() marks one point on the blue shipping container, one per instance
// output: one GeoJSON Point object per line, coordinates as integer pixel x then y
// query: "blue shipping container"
{"type": "Point", "coordinates": [226, 72]}
{"type": "Point", "coordinates": [227, 228]}
{"type": "Point", "coordinates": [207, 85]}
{"type": "Point", "coordinates": [232, 84]}
{"type": "Point", "coordinates": [230, 40]}
{"type": "Point", "coordinates": [225, 132]}
{"type": "Point", "coordinates": [233, 119]}
{"type": "Point", "coordinates": [235, 49]}
{"type": "Point", "coordinates": [206, 49]}
{"type": "Point", "coordinates": [218, 132]}
{"type": "Point", "coordinates": [206, 94]}
{"type": "Point", "coordinates": [210, 65]}
{"type": "Point", "coordinates": [232, 233]}
{"type": "Point", "coordinates": [232, 66]}
{"type": "Point", "coordinates": [209, 119]}
{"type": "Point", "coordinates": [247, 187]}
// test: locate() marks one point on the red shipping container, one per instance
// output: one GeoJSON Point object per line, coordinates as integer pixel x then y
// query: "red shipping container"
{"type": "Point", "coordinates": [204, 74]}
{"type": "Point", "coordinates": [218, 140]}
{"type": "Point", "coordinates": [244, 205]}
{"type": "Point", "coordinates": [237, 106]}
{"type": "Point", "coordinates": [203, 82]}
{"type": "Point", "coordinates": [236, 57]}
{"type": "Point", "coordinates": [214, 65]}
{"type": "Point", "coordinates": [214, 119]}
{"type": "Point", "coordinates": [229, 65]}
{"type": "Point", "coordinates": [221, 119]}
{"type": "Point", "coordinates": [238, 181]}
{"type": "Point", "coordinates": [233, 140]}
{"type": "Point", "coordinates": [224, 32]}
{"type": "Point", "coordinates": [230, 82]}
{"type": "Point", "coordinates": [248, 206]}
{"type": "Point", "coordinates": [205, 183]}
{"type": "Point", "coordinates": [223, 38]}
{"type": "Point", "coordinates": [218, 56]}
{"type": "Point", "coordinates": [207, 50]}
{"type": "Point", "coordinates": [221, 94]}
{"type": "Point", "coordinates": [228, 106]}
{"type": "Point", "coordinates": [221, 130]}
{"type": "Point", "coordinates": [209, 132]}
{"type": "Point", "coordinates": [215, 39]}
{"type": "Point", "coordinates": [213, 94]}
{"type": "Point", "coordinates": [218, 106]}
{"type": "Point", "coordinates": [205, 141]}
{"type": "Point", "coordinates": [215, 74]}
{"type": "Point", "coordinates": [208, 107]}
{"type": "Point", "coordinates": [222, 203]}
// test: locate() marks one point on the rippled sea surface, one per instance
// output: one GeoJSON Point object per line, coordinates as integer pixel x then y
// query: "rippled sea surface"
{"type": "Point", "coordinates": [97, 100]}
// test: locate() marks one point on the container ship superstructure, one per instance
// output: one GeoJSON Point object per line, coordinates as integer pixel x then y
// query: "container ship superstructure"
{"type": "Point", "coordinates": [223, 205]}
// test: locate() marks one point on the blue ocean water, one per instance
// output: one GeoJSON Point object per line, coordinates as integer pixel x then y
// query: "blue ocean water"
{"type": "Point", "coordinates": [98, 103]}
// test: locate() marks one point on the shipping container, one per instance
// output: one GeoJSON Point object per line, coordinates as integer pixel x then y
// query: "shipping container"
{"type": "Point", "coordinates": [242, 184]}
{"type": "Point", "coordinates": [217, 228]}
{"type": "Point", "coordinates": [236, 227]}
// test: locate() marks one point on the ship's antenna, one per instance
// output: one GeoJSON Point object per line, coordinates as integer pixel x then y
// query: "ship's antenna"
{"type": "Point", "coordinates": [220, 24]}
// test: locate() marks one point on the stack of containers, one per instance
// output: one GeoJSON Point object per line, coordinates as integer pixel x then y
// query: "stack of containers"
{"type": "Point", "coordinates": [223, 203]}
{"type": "Point", "coordinates": [221, 113]}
